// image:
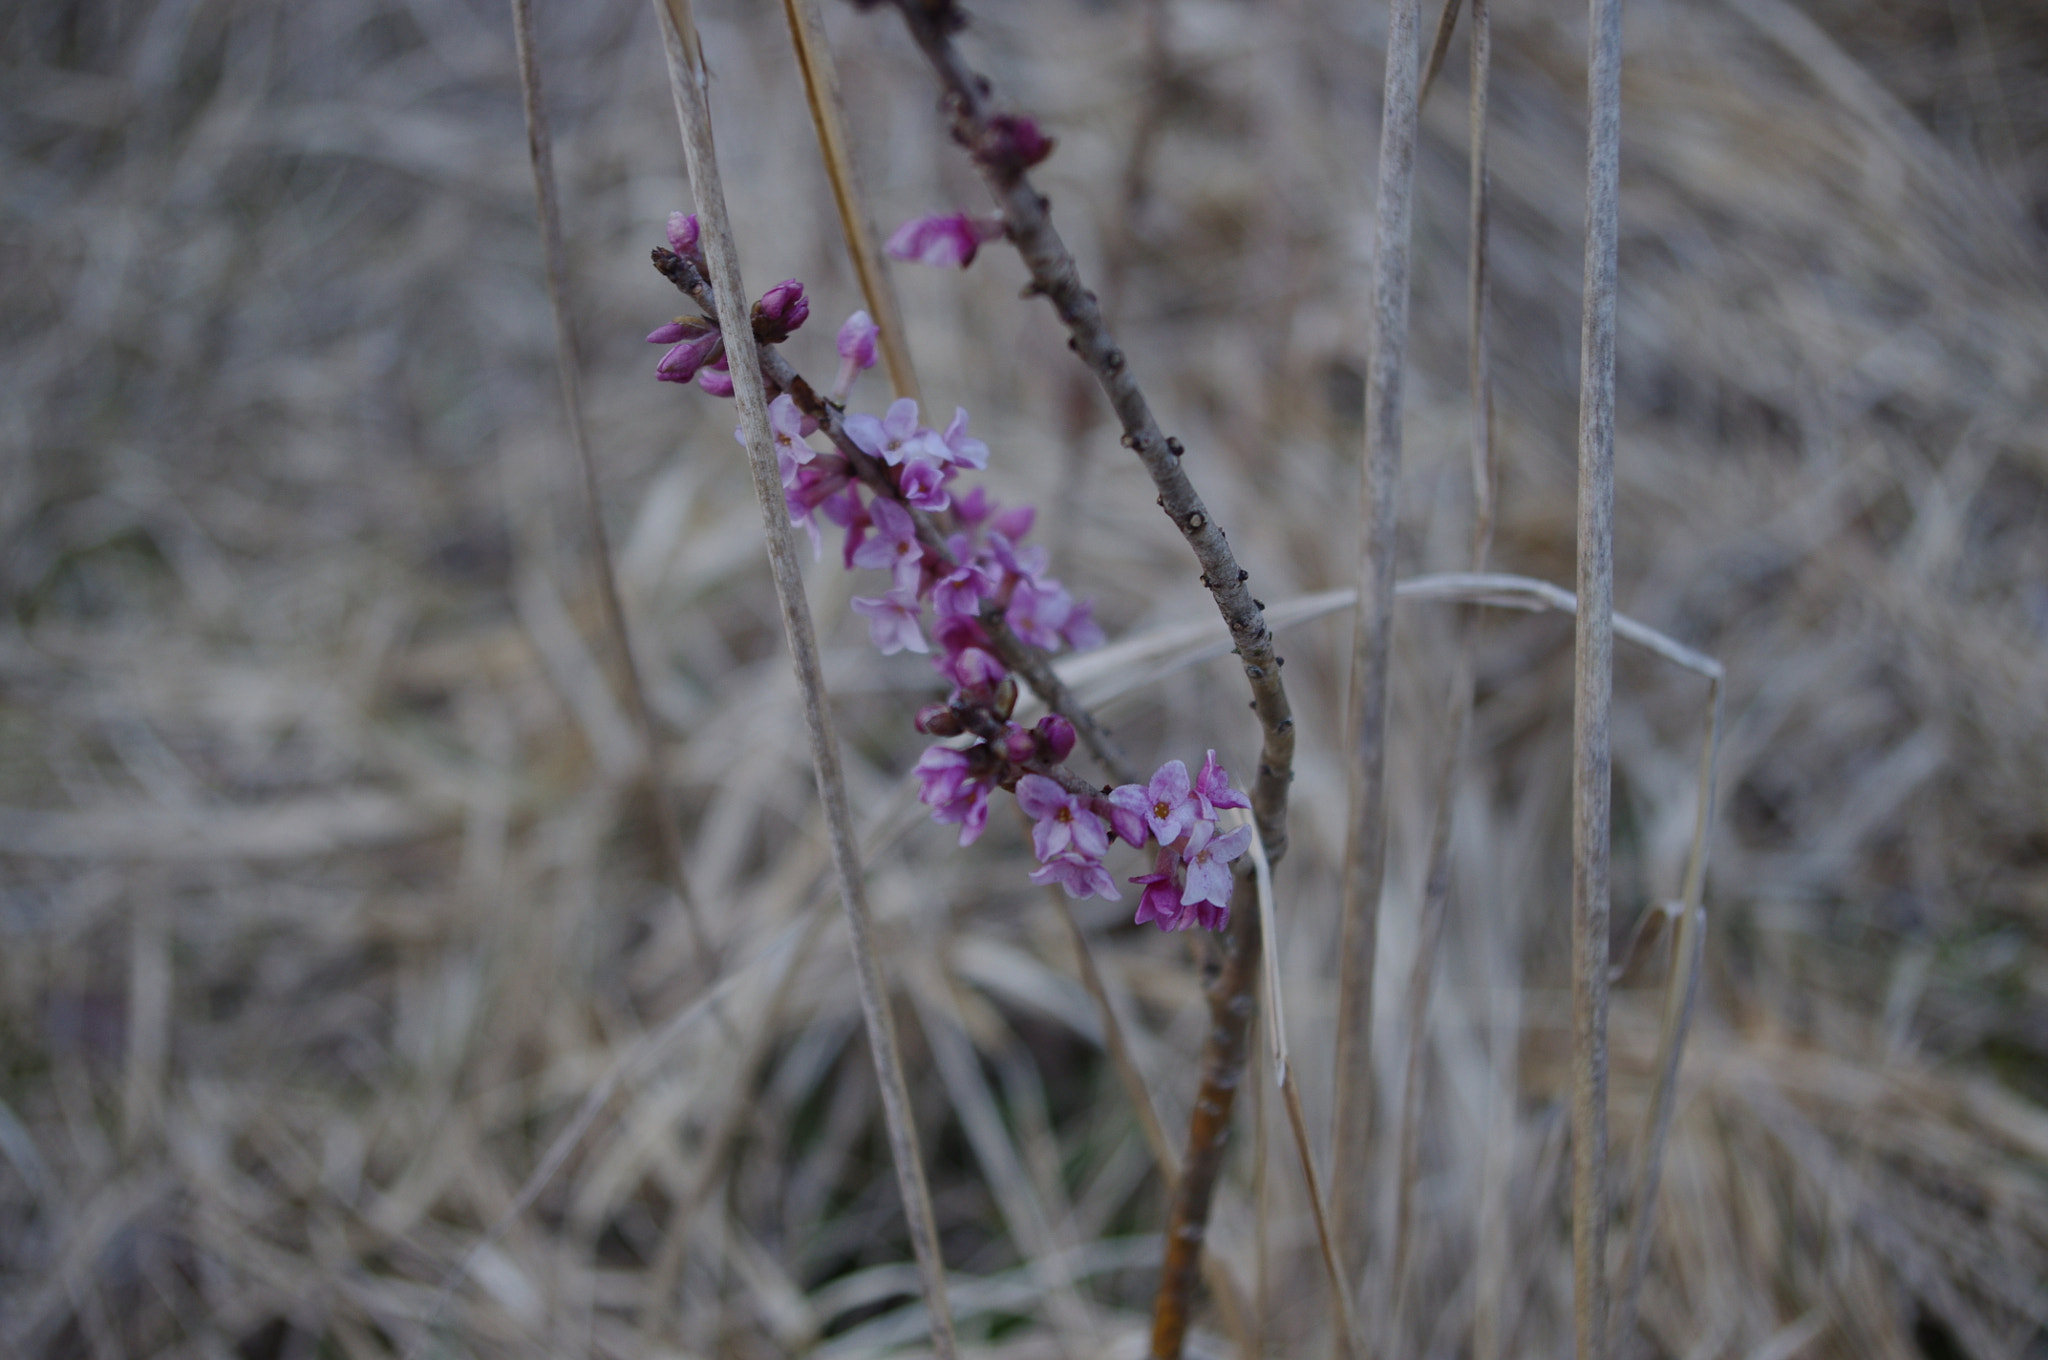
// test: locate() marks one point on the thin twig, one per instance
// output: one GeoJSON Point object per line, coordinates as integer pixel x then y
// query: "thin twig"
{"type": "Point", "coordinates": [828, 116]}
{"type": "Point", "coordinates": [1681, 988]}
{"type": "Point", "coordinates": [1027, 219]}
{"type": "Point", "coordinates": [1458, 717]}
{"type": "Point", "coordinates": [688, 82]}
{"type": "Point", "coordinates": [1365, 847]}
{"type": "Point", "coordinates": [1593, 689]}
{"type": "Point", "coordinates": [540, 150]}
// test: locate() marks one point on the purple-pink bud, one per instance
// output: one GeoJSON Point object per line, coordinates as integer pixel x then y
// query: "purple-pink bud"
{"type": "Point", "coordinates": [857, 340]}
{"type": "Point", "coordinates": [684, 238]}
{"type": "Point", "coordinates": [1056, 734]}
{"type": "Point", "coordinates": [937, 720]}
{"type": "Point", "coordinates": [780, 311]}
{"type": "Point", "coordinates": [1014, 143]}
{"type": "Point", "coordinates": [1015, 522]}
{"type": "Point", "coordinates": [1017, 745]}
{"type": "Point", "coordinates": [947, 240]}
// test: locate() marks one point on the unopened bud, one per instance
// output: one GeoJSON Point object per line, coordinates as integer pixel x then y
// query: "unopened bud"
{"type": "Point", "coordinates": [1005, 700]}
{"type": "Point", "coordinates": [1056, 735]}
{"type": "Point", "coordinates": [937, 720]}
{"type": "Point", "coordinates": [1018, 745]}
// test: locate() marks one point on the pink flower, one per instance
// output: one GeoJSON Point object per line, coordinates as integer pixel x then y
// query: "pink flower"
{"type": "Point", "coordinates": [1015, 522]}
{"type": "Point", "coordinates": [1079, 875]}
{"type": "Point", "coordinates": [943, 239]}
{"type": "Point", "coordinates": [1208, 858]}
{"type": "Point", "coordinates": [1080, 631]}
{"type": "Point", "coordinates": [923, 484]}
{"type": "Point", "coordinates": [1064, 822]}
{"type": "Point", "coordinates": [856, 352]}
{"type": "Point", "coordinates": [1036, 611]}
{"type": "Point", "coordinates": [780, 311]}
{"type": "Point", "coordinates": [1160, 901]}
{"type": "Point", "coordinates": [894, 548]}
{"type": "Point", "coordinates": [1167, 804]}
{"type": "Point", "coordinates": [972, 508]}
{"type": "Point", "coordinates": [1212, 789]}
{"type": "Point", "coordinates": [947, 785]}
{"type": "Point", "coordinates": [892, 622]}
{"type": "Point", "coordinates": [895, 436]}
{"type": "Point", "coordinates": [961, 590]}
{"type": "Point", "coordinates": [787, 426]}
{"type": "Point", "coordinates": [963, 449]}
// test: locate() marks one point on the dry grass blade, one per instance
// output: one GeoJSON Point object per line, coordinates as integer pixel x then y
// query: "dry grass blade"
{"type": "Point", "coordinates": [540, 151]}
{"type": "Point", "coordinates": [688, 81]}
{"type": "Point", "coordinates": [1372, 637]}
{"type": "Point", "coordinates": [1458, 716]}
{"type": "Point", "coordinates": [1681, 988]}
{"type": "Point", "coordinates": [1440, 46]}
{"type": "Point", "coordinates": [1593, 686]}
{"type": "Point", "coordinates": [1275, 1021]}
{"type": "Point", "coordinates": [835, 144]}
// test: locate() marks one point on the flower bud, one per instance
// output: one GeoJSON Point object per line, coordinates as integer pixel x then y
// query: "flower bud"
{"type": "Point", "coordinates": [1015, 143]}
{"type": "Point", "coordinates": [1018, 745]}
{"type": "Point", "coordinates": [780, 311]}
{"type": "Point", "coordinates": [685, 239]}
{"type": "Point", "coordinates": [1005, 700]}
{"type": "Point", "coordinates": [937, 720]}
{"type": "Point", "coordinates": [1055, 737]}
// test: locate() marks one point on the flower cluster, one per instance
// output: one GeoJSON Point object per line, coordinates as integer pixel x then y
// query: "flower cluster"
{"type": "Point", "coordinates": [983, 573]}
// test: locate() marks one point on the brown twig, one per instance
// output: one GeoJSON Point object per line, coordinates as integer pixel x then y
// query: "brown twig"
{"type": "Point", "coordinates": [688, 81]}
{"type": "Point", "coordinates": [1027, 219]}
{"type": "Point", "coordinates": [1593, 690]}
{"type": "Point", "coordinates": [540, 149]}
{"type": "Point", "coordinates": [1028, 224]}
{"type": "Point", "coordinates": [1365, 847]}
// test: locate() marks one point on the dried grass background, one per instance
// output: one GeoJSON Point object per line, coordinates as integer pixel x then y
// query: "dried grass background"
{"type": "Point", "coordinates": [327, 893]}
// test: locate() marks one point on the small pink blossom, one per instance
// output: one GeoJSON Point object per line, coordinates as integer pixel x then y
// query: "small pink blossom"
{"type": "Point", "coordinates": [961, 590]}
{"type": "Point", "coordinates": [1064, 822]}
{"type": "Point", "coordinates": [1160, 902]}
{"type": "Point", "coordinates": [1208, 858]}
{"type": "Point", "coordinates": [716, 377]}
{"type": "Point", "coordinates": [1079, 630]}
{"type": "Point", "coordinates": [923, 484]}
{"type": "Point", "coordinates": [1213, 791]}
{"type": "Point", "coordinates": [1167, 804]}
{"type": "Point", "coordinates": [896, 435]}
{"type": "Point", "coordinates": [962, 449]}
{"type": "Point", "coordinates": [894, 548]}
{"type": "Point", "coordinates": [1078, 874]}
{"type": "Point", "coordinates": [892, 622]}
{"type": "Point", "coordinates": [1015, 522]}
{"type": "Point", "coordinates": [946, 785]}
{"type": "Point", "coordinates": [1036, 611]}
{"type": "Point", "coordinates": [946, 240]}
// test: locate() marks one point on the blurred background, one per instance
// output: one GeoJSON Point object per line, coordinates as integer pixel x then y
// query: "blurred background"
{"type": "Point", "coordinates": [328, 890]}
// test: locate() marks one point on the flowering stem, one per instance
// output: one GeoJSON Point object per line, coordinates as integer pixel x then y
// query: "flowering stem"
{"type": "Point", "coordinates": [1020, 656]}
{"type": "Point", "coordinates": [1028, 224]}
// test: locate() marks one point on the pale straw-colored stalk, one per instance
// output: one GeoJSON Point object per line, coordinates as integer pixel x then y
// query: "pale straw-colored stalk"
{"type": "Point", "coordinates": [1593, 687]}
{"type": "Point", "coordinates": [1458, 716]}
{"type": "Point", "coordinates": [540, 150]}
{"type": "Point", "coordinates": [835, 144]}
{"type": "Point", "coordinates": [688, 82]}
{"type": "Point", "coordinates": [1681, 988]}
{"type": "Point", "coordinates": [1365, 846]}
